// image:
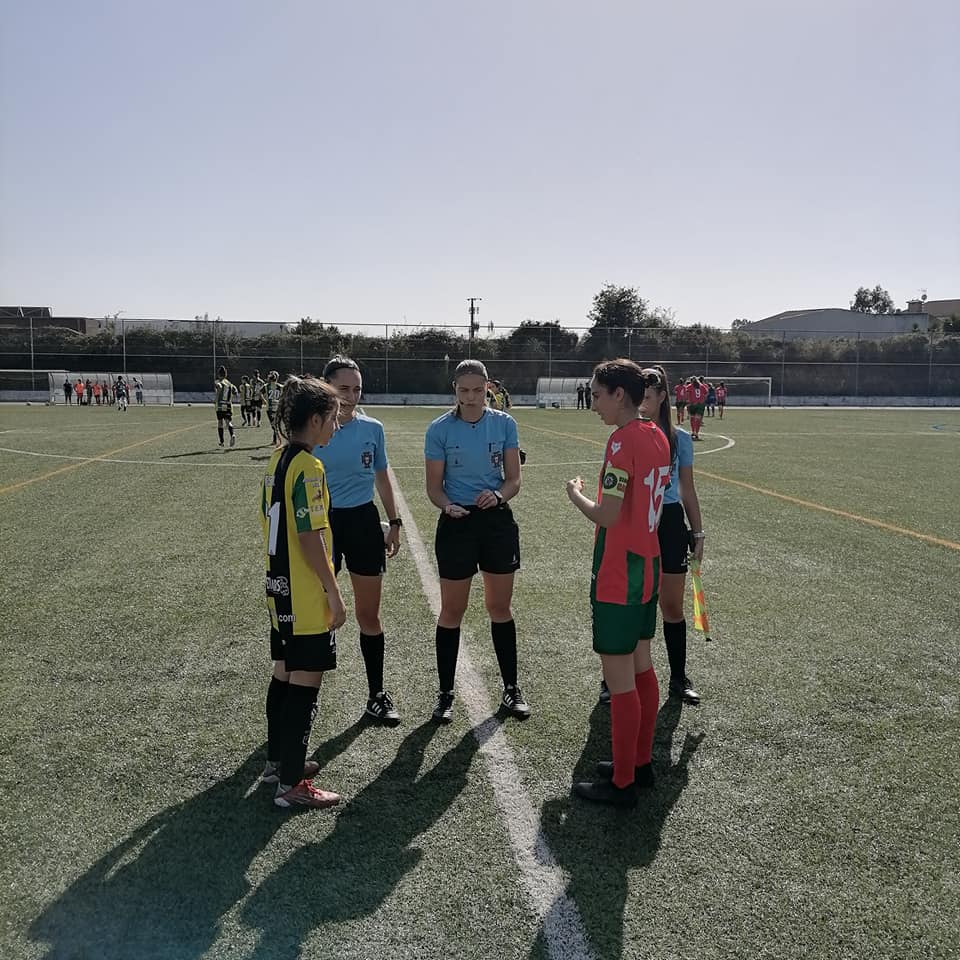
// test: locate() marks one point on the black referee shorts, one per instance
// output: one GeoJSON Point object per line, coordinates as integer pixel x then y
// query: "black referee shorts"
{"type": "Point", "coordinates": [313, 652]}
{"type": "Point", "coordinates": [358, 540]}
{"type": "Point", "coordinates": [488, 540]}
{"type": "Point", "coordinates": [674, 539]}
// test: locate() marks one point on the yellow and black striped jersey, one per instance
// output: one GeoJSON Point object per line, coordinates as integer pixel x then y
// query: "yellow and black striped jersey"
{"type": "Point", "coordinates": [273, 395]}
{"type": "Point", "coordinates": [224, 395]}
{"type": "Point", "coordinates": [258, 390]}
{"type": "Point", "coordinates": [294, 499]}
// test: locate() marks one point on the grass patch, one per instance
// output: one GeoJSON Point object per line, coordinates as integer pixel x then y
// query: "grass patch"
{"type": "Point", "coordinates": [807, 808]}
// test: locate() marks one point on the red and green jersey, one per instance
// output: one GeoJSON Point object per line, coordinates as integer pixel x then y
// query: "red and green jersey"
{"type": "Point", "coordinates": [626, 556]}
{"type": "Point", "coordinates": [696, 392]}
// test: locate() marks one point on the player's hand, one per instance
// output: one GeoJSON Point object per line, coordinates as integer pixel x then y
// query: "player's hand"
{"type": "Point", "coordinates": [338, 612]}
{"type": "Point", "coordinates": [455, 511]}
{"type": "Point", "coordinates": [392, 541]}
{"type": "Point", "coordinates": [486, 499]}
{"type": "Point", "coordinates": [574, 486]}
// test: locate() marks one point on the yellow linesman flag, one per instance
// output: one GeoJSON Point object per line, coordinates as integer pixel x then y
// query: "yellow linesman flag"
{"type": "Point", "coordinates": [700, 620]}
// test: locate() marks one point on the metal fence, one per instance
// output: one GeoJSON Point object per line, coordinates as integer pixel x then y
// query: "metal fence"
{"type": "Point", "coordinates": [409, 359]}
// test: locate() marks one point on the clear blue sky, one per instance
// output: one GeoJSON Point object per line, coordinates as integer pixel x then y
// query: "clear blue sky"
{"type": "Point", "coordinates": [372, 161]}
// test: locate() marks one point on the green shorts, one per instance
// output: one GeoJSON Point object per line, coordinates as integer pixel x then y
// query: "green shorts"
{"type": "Point", "coordinates": [617, 628]}
{"type": "Point", "coordinates": [696, 409]}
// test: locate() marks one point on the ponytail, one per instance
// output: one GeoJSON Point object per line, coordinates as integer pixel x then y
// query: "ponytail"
{"type": "Point", "coordinates": [300, 399]}
{"type": "Point", "coordinates": [664, 417]}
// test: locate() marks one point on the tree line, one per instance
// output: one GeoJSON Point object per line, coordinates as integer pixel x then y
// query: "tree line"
{"type": "Point", "coordinates": [622, 323]}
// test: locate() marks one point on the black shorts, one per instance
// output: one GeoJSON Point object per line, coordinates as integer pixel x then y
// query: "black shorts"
{"type": "Point", "coordinates": [224, 415]}
{"type": "Point", "coordinates": [313, 652]}
{"type": "Point", "coordinates": [488, 540]}
{"type": "Point", "coordinates": [674, 539]}
{"type": "Point", "coordinates": [358, 540]}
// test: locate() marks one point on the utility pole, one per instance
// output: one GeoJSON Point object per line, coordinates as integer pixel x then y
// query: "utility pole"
{"type": "Point", "coordinates": [474, 310]}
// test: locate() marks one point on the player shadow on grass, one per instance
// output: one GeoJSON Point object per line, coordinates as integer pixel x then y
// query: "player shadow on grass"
{"type": "Point", "coordinates": [355, 868]}
{"type": "Point", "coordinates": [207, 451]}
{"type": "Point", "coordinates": [599, 847]}
{"type": "Point", "coordinates": [160, 893]}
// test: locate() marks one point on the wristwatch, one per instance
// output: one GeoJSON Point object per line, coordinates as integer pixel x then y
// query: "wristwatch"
{"type": "Point", "coordinates": [499, 497]}
{"type": "Point", "coordinates": [396, 522]}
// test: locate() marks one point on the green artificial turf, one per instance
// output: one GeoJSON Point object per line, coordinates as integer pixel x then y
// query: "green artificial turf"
{"type": "Point", "coordinates": [807, 808]}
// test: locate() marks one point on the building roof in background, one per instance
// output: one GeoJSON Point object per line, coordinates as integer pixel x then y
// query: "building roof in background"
{"type": "Point", "coordinates": [827, 322]}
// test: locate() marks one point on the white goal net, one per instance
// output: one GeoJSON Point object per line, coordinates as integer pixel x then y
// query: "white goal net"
{"type": "Point", "coordinates": [561, 392]}
{"type": "Point", "coordinates": [745, 391]}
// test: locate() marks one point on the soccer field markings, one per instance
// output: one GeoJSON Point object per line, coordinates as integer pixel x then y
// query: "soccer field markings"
{"type": "Point", "coordinates": [730, 442]}
{"type": "Point", "coordinates": [811, 505]}
{"type": "Point", "coordinates": [545, 883]}
{"type": "Point", "coordinates": [76, 466]}
{"type": "Point", "coordinates": [797, 501]}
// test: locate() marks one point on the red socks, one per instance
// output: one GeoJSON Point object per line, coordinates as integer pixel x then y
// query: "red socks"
{"type": "Point", "coordinates": [624, 731]}
{"type": "Point", "coordinates": [648, 694]}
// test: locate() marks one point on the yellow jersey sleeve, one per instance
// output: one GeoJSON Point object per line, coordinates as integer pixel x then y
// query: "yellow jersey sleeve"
{"type": "Point", "coordinates": [310, 496]}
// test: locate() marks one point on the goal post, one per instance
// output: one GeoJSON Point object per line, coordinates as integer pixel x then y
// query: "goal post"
{"type": "Point", "coordinates": [561, 392]}
{"type": "Point", "coordinates": [746, 391]}
{"type": "Point", "coordinates": [29, 386]}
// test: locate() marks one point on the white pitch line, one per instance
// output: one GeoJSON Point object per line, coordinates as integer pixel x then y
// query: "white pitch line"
{"type": "Point", "coordinates": [730, 443]}
{"type": "Point", "coordinates": [544, 880]}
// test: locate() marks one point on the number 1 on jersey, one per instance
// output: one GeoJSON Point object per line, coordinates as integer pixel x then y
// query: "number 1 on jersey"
{"type": "Point", "coordinates": [273, 515]}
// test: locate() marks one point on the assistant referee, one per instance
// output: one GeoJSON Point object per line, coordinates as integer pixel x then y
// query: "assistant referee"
{"type": "Point", "coordinates": [355, 461]}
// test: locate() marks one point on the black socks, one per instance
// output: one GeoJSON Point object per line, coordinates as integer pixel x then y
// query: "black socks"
{"type": "Point", "coordinates": [505, 647]}
{"type": "Point", "coordinates": [299, 710]}
{"type": "Point", "coordinates": [675, 637]}
{"type": "Point", "coordinates": [372, 649]}
{"type": "Point", "coordinates": [448, 646]}
{"type": "Point", "coordinates": [276, 697]}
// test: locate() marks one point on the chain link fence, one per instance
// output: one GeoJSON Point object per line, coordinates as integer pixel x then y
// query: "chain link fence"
{"type": "Point", "coordinates": [401, 359]}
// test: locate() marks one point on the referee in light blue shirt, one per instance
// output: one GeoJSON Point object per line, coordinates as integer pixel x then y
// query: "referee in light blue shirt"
{"type": "Point", "coordinates": [355, 463]}
{"type": "Point", "coordinates": [473, 469]}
